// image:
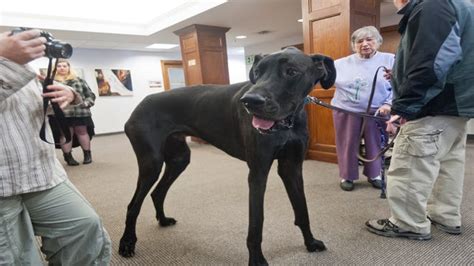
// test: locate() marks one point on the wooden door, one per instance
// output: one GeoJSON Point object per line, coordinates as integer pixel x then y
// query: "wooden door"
{"type": "Point", "coordinates": [173, 74]}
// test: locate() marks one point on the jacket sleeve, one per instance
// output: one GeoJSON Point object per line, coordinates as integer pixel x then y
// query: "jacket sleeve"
{"type": "Point", "coordinates": [89, 96]}
{"type": "Point", "coordinates": [80, 86]}
{"type": "Point", "coordinates": [13, 77]}
{"type": "Point", "coordinates": [432, 47]}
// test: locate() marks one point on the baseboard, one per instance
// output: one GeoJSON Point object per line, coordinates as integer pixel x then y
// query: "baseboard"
{"type": "Point", "coordinates": [110, 133]}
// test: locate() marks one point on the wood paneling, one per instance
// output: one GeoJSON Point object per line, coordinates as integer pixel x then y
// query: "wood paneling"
{"type": "Point", "coordinates": [318, 5]}
{"type": "Point", "coordinates": [391, 39]}
{"type": "Point", "coordinates": [214, 58]}
{"type": "Point", "coordinates": [324, 38]}
{"type": "Point", "coordinates": [327, 28]}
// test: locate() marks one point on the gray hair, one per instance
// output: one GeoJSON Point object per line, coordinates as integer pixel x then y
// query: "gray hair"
{"type": "Point", "coordinates": [367, 31]}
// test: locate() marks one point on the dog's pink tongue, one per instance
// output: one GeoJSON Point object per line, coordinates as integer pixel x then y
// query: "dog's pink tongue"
{"type": "Point", "coordinates": [262, 123]}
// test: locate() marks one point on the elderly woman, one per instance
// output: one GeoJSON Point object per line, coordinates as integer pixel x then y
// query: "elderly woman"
{"type": "Point", "coordinates": [355, 74]}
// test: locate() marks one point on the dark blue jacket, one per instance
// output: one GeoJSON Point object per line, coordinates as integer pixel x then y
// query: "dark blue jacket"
{"type": "Point", "coordinates": [434, 65]}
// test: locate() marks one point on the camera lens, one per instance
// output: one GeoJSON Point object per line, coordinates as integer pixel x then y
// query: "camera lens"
{"type": "Point", "coordinates": [57, 49]}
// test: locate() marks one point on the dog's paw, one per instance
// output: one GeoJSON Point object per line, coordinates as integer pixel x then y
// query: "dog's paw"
{"type": "Point", "coordinates": [167, 222]}
{"type": "Point", "coordinates": [126, 249]}
{"type": "Point", "coordinates": [315, 246]}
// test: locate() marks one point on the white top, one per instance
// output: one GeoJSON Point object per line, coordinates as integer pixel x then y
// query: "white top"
{"type": "Point", "coordinates": [354, 82]}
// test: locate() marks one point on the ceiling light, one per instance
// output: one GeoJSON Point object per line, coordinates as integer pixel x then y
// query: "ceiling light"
{"type": "Point", "coordinates": [300, 20]}
{"type": "Point", "coordinates": [241, 37]}
{"type": "Point", "coordinates": [162, 46]}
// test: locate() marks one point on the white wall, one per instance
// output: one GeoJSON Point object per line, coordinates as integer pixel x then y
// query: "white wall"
{"type": "Point", "coordinates": [270, 47]}
{"type": "Point", "coordinates": [110, 113]}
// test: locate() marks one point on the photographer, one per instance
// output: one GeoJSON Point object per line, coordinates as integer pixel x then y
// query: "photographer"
{"type": "Point", "coordinates": [36, 197]}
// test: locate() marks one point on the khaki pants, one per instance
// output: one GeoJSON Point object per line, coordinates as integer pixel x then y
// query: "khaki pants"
{"type": "Point", "coordinates": [70, 230]}
{"type": "Point", "coordinates": [426, 173]}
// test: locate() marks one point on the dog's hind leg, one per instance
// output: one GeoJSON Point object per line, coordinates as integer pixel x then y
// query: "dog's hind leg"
{"type": "Point", "coordinates": [177, 157]}
{"type": "Point", "coordinates": [290, 171]}
{"type": "Point", "coordinates": [150, 161]}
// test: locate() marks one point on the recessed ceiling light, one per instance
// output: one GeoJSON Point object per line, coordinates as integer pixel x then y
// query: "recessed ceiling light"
{"type": "Point", "coordinates": [300, 20]}
{"type": "Point", "coordinates": [241, 37]}
{"type": "Point", "coordinates": [161, 46]}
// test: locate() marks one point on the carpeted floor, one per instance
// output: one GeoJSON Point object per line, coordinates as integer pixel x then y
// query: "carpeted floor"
{"type": "Point", "coordinates": [210, 202]}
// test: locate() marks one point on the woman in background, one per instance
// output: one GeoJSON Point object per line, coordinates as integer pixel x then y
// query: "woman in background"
{"type": "Point", "coordinates": [78, 117]}
{"type": "Point", "coordinates": [353, 88]}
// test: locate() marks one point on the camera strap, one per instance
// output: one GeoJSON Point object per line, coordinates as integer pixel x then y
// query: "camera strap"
{"type": "Point", "coordinates": [60, 119]}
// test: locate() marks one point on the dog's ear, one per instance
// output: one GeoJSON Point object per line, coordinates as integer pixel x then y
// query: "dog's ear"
{"type": "Point", "coordinates": [256, 59]}
{"type": "Point", "coordinates": [325, 64]}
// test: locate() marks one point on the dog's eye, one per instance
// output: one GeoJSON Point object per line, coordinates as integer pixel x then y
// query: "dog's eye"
{"type": "Point", "coordinates": [291, 72]}
{"type": "Point", "coordinates": [256, 73]}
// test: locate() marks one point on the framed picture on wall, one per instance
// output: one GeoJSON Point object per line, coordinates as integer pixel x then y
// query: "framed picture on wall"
{"type": "Point", "coordinates": [114, 82]}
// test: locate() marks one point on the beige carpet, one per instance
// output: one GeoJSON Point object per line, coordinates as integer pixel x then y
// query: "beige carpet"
{"type": "Point", "coordinates": [209, 201]}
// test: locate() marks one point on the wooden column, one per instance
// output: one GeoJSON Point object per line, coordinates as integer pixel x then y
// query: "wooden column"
{"type": "Point", "coordinates": [327, 28]}
{"type": "Point", "coordinates": [204, 53]}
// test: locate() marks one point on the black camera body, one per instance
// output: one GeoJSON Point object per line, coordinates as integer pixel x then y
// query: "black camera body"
{"type": "Point", "coordinates": [54, 48]}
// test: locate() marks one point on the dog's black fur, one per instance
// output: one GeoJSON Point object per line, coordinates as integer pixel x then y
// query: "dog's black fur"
{"type": "Point", "coordinates": [223, 116]}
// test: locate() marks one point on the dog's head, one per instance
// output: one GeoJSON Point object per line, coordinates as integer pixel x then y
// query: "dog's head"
{"type": "Point", "coordinates": [281, 82]}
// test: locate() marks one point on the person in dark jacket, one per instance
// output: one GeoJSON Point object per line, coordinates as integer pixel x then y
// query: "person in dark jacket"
{"type": "Point", "coordinates": [433, 96]}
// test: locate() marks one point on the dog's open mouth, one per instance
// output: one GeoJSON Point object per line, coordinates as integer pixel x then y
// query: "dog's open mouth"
{"type": "Point", "coordinates": [265, 126]}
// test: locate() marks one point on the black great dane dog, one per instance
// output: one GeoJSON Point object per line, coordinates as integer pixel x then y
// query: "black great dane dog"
{"type": "Point", "coordinates": [258, 122]}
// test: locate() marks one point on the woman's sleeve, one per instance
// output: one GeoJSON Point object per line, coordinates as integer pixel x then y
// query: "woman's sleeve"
{"type": "Point", "coordinates": [88, 96]}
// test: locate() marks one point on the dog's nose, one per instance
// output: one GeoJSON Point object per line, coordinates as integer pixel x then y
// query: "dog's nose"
{"type": "Point", "coordinates": [252, 100]}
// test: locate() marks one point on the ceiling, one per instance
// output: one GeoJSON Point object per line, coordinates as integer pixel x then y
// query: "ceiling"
{"type": "Point", "coordinates": [245, 17]}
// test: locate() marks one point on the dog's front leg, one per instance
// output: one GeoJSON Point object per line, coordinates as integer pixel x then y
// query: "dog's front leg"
{"type": "Point", "coordinates": [257, 183]}
{"type": "Point", "coordinates": [290, 171]}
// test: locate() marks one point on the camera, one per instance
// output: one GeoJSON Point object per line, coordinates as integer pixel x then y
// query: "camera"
{"type": "Point", "coordinates": [54, 48]}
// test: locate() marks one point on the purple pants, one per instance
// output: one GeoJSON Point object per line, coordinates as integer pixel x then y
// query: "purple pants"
{"type": "Point", "coordinates": [347, 129]}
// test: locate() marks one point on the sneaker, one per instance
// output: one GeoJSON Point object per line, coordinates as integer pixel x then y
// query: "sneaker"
{"type": "Point", "coordinates": [386, 228]}
{"type": "Point", "coordinates": [376, 183]}
{"type": "Point", "coordinates": [347, 185]}
{"type": "Point", "coordinates": [453, 230]}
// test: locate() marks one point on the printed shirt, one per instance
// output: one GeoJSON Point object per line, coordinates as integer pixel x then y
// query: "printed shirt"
{"type": "Point", "coordinates": [354, 82]}
{"type": "Point", "coordinates": [27, 164]}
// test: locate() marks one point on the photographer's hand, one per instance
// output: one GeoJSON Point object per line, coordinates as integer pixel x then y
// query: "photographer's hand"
{"type": "Point", "coordinates": [60, 94]}
{"type": "Point", "coordinates": [23, 47]}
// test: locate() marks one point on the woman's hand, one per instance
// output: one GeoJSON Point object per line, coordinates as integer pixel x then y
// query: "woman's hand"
{"type": "Point", "coordinates": [22, 47]}
{"type": "Point", "coordinates": [392, 126]}
{"type": "Point", "coordinates": [60, 94]}
{"type": "Point", "coordinates": [388, 74]}
{"type": "Point", "coordinates": [384, 110]}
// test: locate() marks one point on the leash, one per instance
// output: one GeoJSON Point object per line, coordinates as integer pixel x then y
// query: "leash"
{"type": "Point", "coordinates": [315, 100]}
